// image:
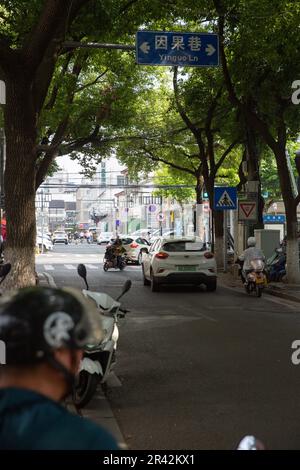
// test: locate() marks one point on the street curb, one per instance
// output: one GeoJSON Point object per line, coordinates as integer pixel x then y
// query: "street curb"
{"type": "Point", "coordinates": [268, 290]}
{"type": "Point", "coordinates": [104, 417]}
{"type": "Point", "coordinates": [282, 295]}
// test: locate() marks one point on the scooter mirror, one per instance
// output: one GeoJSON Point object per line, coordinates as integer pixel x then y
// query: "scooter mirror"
{"type": "Point", "coordinates": [126, 288]}
{"type": "Point", "coordinates": [81, 269]}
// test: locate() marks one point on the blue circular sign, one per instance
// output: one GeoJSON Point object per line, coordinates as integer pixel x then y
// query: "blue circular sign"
{"type": "Point", "coordinates": [152, 208]}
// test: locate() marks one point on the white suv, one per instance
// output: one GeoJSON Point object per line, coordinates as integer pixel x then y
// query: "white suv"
{"type": "Point", "coordinates": [59, 237]}
{"type": "Point", "coordinates": [179, 261]}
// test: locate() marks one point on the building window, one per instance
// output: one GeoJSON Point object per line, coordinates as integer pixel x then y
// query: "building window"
{"type": "Point", "coordinates": [120, 180]}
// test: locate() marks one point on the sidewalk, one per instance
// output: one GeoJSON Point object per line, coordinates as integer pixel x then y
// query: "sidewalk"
{"type": "Point", "coordinates": [278, 289]}
{"type": "Point", "coordinates": [99, 409]}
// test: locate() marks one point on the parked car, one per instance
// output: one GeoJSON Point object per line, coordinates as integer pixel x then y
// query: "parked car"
{"type": "Point", "coordinates": [134, 247]}
{"type": "Point", "coordinates": [142, 232]}
{"type": "Point", "coordinates": [60, 236]}
{"type": "Point", "coordinates": [104, 237]}
{"type": "Point", "coordinates": [43, 241]}
{"type": "Point", "coordinates": [165, 233]}
{"type": "Point", "coordinates": [179, 261]}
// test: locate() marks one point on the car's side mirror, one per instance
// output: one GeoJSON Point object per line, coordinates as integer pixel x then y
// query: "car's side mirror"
{"type": "Point", "coordinates": [145, 250]}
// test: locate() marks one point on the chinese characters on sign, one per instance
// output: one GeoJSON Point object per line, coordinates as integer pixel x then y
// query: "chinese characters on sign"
{"type": "Point", "coordinates": [173, 48]}
{"type": "Point", "coordinates": [161, 42]}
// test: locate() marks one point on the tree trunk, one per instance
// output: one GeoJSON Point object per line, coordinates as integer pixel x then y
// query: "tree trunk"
{"type": "Point", "coordinates": [219, 237]}
{"type": "Point", "coordinates": [19, 183]}
{"type": "Point", "coordinates": [293, 272]}
{"type": "Point", "coordinates": [198, 214]}
{"type": "Point", "coordinates": [292, 249]}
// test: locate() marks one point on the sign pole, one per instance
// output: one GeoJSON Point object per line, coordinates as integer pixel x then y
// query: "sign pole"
{"type": "Point", "coordinates": [160, 221]}
{"type": "Point", "coordinates": [225, 241]}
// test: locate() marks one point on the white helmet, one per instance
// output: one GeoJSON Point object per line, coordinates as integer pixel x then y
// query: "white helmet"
{"type": "Point", "coordinates": [251, 242]}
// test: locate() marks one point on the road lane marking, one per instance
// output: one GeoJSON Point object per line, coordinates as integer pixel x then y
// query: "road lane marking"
{"type": "Point", "coordinates": [70, 266]}
{"type": "Point", "coordinates": [91, 266]}
{"type": "Point", "coordinates": [48, 267]}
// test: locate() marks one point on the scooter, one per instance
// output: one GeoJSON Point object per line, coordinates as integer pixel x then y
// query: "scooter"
{"type": "Point", "coordinates": [113, 263]}
{"type": "Point", "coordinates": [99, 359]}
{"type": "Point", "coordinates": [256, 279]}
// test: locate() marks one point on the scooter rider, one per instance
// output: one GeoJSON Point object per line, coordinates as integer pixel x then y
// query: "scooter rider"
{"type": "Point", "coordinates": [44, 331]}
{"type": "Point", "coordinates": [118, 250]}
{"type": "Point", "coordinates": [249, 255]}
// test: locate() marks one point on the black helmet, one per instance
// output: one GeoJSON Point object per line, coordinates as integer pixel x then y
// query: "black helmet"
{"type": "Point", "coordinates": [35, 321]}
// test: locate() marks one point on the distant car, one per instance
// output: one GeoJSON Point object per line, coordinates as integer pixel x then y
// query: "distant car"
{"type": "Point", "coordinates": [104, 237]}
{"type": "Point", "coordinates": [183, 260]}
{"type": "Point", "coordinates": [134, 247]}
{"type": "Point", "coordinates": [60, 237]}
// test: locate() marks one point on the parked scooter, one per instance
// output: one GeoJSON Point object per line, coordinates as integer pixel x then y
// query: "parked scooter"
{"type": "Point", "coordinates": [276, 266]}
{"type": "Point", "coordinates": [99, 359]}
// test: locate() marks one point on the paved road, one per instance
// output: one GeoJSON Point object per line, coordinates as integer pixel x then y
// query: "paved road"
{"type": "Point", "coordinates": [198, 370]}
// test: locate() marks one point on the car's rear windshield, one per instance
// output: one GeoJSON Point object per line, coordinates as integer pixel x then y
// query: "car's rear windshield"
{"type": "Point", "coordinates": [184, 246]}
{"type": "Point", "coordinates": [59, 233]}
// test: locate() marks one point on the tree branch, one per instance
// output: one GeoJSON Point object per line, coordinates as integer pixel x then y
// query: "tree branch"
{"type": "Point", "coordinates": [155, 158]}
{"type": "Point", "coordinates": [91, 83]}
{"type": "Point", "coordinates": [223, 157]}
{"type": "Point", "coordinates": [55, 90]}
{"type": "Point", "coordinates": [52, 25]}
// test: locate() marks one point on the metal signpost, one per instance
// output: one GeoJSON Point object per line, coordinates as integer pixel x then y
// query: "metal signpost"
{"type": "Point", "coordinates": [160, 217]}
{"type": "Point", "coordinates": [225, 199]}
{"type": "Point", "coordinates": [177, 49]}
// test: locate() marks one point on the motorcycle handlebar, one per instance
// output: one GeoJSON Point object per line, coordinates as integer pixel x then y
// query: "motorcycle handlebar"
{"type": "Point", "coordinates": [123, 310]}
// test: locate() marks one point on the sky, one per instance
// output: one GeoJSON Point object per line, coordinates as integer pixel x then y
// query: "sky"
{"type": "Point", "coordinates": [68, 165]}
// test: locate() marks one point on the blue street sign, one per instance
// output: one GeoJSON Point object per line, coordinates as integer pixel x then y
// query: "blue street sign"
{"type": "Point", "coordinates": [274, 219]}
{"type": "Point", "coordinates": [225, 198]}
{"type": "Point", "coordinates": [152, 208]}
{"type": "Point", "coordinates": [175, 48]}
{"type": "Point", "coordinates": [118, 223]}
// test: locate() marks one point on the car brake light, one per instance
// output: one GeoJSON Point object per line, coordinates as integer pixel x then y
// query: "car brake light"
{"type": "Point", "coordinates": [161, 255]}
{"type": "Point", "coordinates": [133, 245]}
{"type": "Point", "coordinates": [208, 255]}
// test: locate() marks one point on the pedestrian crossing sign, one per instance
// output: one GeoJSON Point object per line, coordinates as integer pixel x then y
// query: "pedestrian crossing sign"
{"type": "Point", "coordinates": [225, 198]}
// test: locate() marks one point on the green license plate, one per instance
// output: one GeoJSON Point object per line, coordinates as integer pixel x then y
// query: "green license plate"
{"type": "Point", "coordinates": [186, 268]}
